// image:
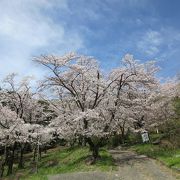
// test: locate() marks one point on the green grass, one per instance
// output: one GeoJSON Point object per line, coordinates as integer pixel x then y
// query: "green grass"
{"type": "Point", "coordinates": [170, 157]}
{"type": "Point", "coordinates": [66, 161]}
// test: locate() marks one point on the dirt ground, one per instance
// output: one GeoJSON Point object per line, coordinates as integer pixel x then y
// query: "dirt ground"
{"type": "Point", "coordinates": [130, 167]}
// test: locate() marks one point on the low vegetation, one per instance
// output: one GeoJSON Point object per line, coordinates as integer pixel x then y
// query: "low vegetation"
{"type": "Point", "coordinates": [63, 160]}
{"type": "Point", "coordinates": [164, 146]}
{"type": "Point", "coordinates": [170, 157]}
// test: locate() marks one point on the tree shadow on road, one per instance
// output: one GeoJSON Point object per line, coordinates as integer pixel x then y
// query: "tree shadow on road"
{"type": "Point", "coordinates": [122, 158]}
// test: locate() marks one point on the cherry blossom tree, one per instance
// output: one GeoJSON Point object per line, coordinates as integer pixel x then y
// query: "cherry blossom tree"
{"type": "Point", "coordinates": [96, 106]}
{"type": "Point", "coordinates": [77, 101]}
{"type": "Point", "coordinates": [78, 82]}
{"type": "Point", "coordinates": [11, 126]}
{"type": "Point", "coordinates": [18, 100]}
{"type": "Point", "coordinates": [161, 106]}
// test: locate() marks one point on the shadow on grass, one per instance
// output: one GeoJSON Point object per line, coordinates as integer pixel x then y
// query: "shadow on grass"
{"type": "Point", "coordinates": [63, 161]}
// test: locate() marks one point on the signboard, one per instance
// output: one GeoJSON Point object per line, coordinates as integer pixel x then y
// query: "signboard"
{"type": "Point", "coordinates": [145, 136]}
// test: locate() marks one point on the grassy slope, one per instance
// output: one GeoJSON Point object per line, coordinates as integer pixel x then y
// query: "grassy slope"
{"type": "Point", "coordinates": [65, 160]}
{"type": "Point", "coordinates": [168, 156]}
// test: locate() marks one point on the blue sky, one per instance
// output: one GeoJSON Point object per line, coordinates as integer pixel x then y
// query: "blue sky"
{"type": "Point", "coordinates": [105, 29]}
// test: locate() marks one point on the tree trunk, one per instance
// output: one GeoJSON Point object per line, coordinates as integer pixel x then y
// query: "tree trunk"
{"type": "Point", "coordinates": [45, 149]}
{"type": "Point", "coordinates": [95, 153]}
{"type": "Point", "coordinates": [2, 168]}
{"type": "Point", "coordinates": [37, 156]}
{"type": "Point", "coordinates": [34, 154]}
{"type": "Point", "coordinates": [40, 153]}
{"type": "Point", "coordinates": [80, 141]}
{"type": "Point", "coordinates": [10, 163]}
{"type": "Point", "coordinates": [20, 165]}
{"type": "Point", "coordinates": [122, 133]}
{"type": "Point", "coordinates": [122, 138]}
{"type": "Point", "coordinates": [94, 148]}
{"type": "Point", "coordinates": [3, 161]}
{"type": "Point", "coordinates": [72, 142]}
{"type": "Point", "coordinates": [11, 160]}
{"type": "Point", "coordinates": [84, 141]}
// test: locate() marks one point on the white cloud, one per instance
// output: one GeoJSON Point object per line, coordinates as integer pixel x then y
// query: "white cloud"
{"type": "Point", "coordinates": [150, 42]}
{"type": "Point", "coordinates": [25, 30]}
{"type": "Point", "coordinates": [163, 42]}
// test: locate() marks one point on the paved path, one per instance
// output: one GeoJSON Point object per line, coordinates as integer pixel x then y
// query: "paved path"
{"type": "Point", "coordinates": [130, 167]}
